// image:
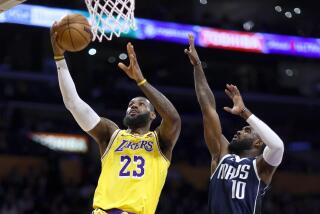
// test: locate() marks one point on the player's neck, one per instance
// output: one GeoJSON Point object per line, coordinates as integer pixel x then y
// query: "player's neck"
{"type": "Point", "coordinates": [140, 131]}
{"type": "Point", "coordinates": [247, 154]}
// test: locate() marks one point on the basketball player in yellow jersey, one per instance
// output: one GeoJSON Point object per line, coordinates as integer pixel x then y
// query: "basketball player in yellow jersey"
{"type": "Point", "coordinates": [134, 161]}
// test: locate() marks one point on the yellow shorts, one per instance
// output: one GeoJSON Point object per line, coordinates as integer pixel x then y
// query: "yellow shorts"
{"type": "Point", "coordinates": [100, 211]}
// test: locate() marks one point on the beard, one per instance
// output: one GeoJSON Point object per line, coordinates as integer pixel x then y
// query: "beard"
{"type": "Point", "coordinates": [138, 121]}
{"type": "Point", "coordinates": [238, 146]}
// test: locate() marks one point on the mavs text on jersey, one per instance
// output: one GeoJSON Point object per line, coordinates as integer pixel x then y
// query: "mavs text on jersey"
{"type": "Point", "coordinates": [235, 186]}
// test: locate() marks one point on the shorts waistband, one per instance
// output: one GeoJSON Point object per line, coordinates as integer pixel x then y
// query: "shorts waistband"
{"type": "Point", "coordinates": [117, 211]}
{"type": "Point", "coordinates": [111, 211]}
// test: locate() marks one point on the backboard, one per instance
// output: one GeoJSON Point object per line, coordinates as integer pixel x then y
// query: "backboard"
{"type": "Point", "coordinates": [7, 4]}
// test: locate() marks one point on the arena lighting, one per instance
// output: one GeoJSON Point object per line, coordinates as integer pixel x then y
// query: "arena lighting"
{"type": "Point", "coordinates": [278, 8]}
{"type": "Point", "coordinates": [289, 72]}
{"type": "Point", "coordinates": [288, 15]}
{"type": "Point", "coordinates": [111, 59]}
{"type": "Point", "coordinates": [92, 51]}
{"type": "Point", "coordinates": [248, 25]}
{"type": "Point", "coordinates": [297, 10]}
{"type": "Point", "coordinates": [61, 142]}
{"type": "Point", "coordinates": [123, 56]}
{"type": "Point", "coordinates": [206, 37]}
{"type": "Point", "coordinates": [203, 1]}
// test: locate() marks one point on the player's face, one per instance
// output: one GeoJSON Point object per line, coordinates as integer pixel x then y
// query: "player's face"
{"type": "Point", "coordinates": [242, 140]}
{"type": "Point", "coordinates": [138, 113]}
{"type": "Point", "coordinates": [137, 106]}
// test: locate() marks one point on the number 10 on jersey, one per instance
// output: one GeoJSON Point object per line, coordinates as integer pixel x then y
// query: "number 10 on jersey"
{"type": "Point", "coordinates": [139, 163]}
{"type": "Point", "coordinates": [238, 189]}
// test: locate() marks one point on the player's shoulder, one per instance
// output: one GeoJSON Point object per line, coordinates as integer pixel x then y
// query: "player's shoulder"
{"type": "Point", "coordinates": [237, 158]}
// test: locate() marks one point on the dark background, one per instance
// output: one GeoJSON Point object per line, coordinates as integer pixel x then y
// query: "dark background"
{"type": "Point", "coordinates": [284, 91]}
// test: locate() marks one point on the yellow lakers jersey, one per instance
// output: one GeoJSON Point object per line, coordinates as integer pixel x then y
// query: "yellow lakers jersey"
{"type": "Point", "coordinates": [132, 175]}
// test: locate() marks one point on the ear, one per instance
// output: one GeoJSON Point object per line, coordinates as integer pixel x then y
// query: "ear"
{"type": "Point", "coordinates": [257, 143]}
{"type": "Point", "coordinates": [153, 115]}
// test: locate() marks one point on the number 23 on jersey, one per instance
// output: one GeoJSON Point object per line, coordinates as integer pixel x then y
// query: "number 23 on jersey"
{"type": "Point", "coordinates": [137, 170]}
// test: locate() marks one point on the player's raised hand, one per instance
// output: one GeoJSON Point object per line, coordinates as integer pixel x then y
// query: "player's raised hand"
{"type": "Point", "coordinates": [192, 52]}
{"type": "Point", "coordinates": [57, 50]}
{"type": "Point", "coordinates": [234, 94]}
{"type": "Point", "coordinates": [133, 69]}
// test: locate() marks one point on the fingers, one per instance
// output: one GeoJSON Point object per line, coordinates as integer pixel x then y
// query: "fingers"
{"type": "Point", "coordinates": [54, 36]}
{"type": "Point", "coordinates": [131, 57]}
{"type": "Point", "coordinates": [230, 95]}
{"type": "Point", "coordinates": [236, 90]}
{"type": "Point", "coordinates": [188, 52]}
{"type": "Point", "coordinates": [53, 32]}
{"type": "Point", "coordinates": [191, 40]}
{"type": "Point", "coordinates": [123, 67]}
{"type": "Point", "coordinates": [130, 49]}
{"type": "Point", "coordinates": [233, 89]}
{"type": "Point", "coordinates": [133, 60]}
{"type": "Point", "coordinates": [227, 109]}
{"type": "Point", "coordinates": [53, 27]}
{"type": "Point", "coordinates": [230, 87]}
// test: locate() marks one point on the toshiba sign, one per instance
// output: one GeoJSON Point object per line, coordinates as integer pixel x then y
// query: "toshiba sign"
{"type": "Point", "coordinates": [233, 40]}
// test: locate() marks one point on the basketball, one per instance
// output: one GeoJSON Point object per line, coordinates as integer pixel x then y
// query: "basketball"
{"type": "Point", "coordinates": [74, 33]}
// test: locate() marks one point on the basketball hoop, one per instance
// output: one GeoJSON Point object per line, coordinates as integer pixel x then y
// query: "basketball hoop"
{"type": "Point", "coordinates": [111, 17]}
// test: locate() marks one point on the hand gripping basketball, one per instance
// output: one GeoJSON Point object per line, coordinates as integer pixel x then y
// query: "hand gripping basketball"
{"type": "Point", "coordinates": [57, 51]}
{"type": "Point", "coordinates": [73, 33]}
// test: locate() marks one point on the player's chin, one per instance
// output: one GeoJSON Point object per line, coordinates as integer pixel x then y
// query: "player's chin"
{"type": "Point", "coordinates": [132, 116]}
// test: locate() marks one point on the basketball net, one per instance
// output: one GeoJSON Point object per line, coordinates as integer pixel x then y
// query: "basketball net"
{"type": "Point", "coordinates": [111, 17]}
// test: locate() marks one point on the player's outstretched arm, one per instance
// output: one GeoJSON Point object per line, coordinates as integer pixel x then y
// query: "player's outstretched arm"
{"type": "Point", "coordinates": [170, 126]}
{"type": "Point", "coordinates": [100, 129]}
{"type": "Point", "coordinates": [216, 143]}
{"type": "Point", "coordinates": [273, 153]}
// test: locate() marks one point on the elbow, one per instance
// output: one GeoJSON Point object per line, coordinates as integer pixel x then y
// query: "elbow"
{"type": "Point", "coordinates": [279, 146]}
{"type": "Point", "coordinates": [274, 155]}
{"type": "Point", "coordinates": [176, 121]}
{"type": "Point", "coordinates": [278, 150]}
